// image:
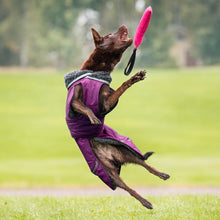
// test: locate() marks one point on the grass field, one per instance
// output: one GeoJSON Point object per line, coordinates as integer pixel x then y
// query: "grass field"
{"type": "Point", "coordinates": [173, 112]}
{"type": "Point", "coordinates": [185, 207]}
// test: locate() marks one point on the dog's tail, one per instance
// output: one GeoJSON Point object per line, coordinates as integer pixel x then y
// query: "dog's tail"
{"type": "Point", "coordinates": [148, 154]}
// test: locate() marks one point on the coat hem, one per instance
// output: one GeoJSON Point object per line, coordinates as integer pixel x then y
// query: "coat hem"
{"type": "Point", "coordinates": [118, 143]}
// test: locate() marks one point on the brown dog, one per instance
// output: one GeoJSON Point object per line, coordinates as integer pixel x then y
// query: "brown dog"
{"type": "Point", "coordinates": [107, 53]}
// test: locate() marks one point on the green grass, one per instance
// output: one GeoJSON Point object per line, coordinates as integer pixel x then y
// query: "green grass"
{"type": "Point", "coordinates": [179, 207]}
{"type": "Point", "coordinates": [173, 112]}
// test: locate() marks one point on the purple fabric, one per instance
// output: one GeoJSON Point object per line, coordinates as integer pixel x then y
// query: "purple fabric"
{"type": "Point", "coordinates": [80, 125]}
{"type": "Point", "coordinates": [82, 130]}
{"type": "Point", "coordinates": [109, 133]}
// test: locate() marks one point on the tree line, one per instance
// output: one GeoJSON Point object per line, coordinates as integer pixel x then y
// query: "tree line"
{"type": "Point", "coordinates": [57, 33]}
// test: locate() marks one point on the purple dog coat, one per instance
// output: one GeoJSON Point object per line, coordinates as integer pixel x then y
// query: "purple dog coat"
{"type": "Point", "coordinates": [80, 126]}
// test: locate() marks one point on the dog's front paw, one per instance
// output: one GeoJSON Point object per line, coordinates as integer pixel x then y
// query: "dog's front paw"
{"type": "Point", "coordinates": [141, 74]}
{"type": "Point", "coordinates": [138, 77]}
{"type": "Point", "coordinates": [95, 121]}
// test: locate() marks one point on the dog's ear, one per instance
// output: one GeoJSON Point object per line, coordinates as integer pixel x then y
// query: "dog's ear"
{"type": "Point", "coordinates": [96, 37]}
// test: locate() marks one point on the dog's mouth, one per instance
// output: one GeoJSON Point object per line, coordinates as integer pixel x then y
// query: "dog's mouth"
{"type": "Point", "coordinates": [124, 35]}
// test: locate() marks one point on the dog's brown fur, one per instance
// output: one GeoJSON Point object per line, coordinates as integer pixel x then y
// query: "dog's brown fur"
{"type": "Point", "coordinates": [107, 53]}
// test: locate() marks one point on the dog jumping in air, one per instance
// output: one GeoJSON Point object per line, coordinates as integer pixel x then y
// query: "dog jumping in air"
{"type": "Point", "coordinates": [89, 99]}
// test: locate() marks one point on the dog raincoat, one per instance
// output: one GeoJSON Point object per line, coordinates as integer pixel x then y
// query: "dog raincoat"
{"type": "Point", "coordinates": [80, 126]}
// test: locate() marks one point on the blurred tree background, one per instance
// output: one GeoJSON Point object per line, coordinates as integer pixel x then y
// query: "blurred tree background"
{"type": "Point", "coordinates": [57, 33]}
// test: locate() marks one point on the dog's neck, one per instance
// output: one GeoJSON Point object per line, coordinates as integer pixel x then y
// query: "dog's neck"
{"type": "Point", "coordinates": [101, 61]}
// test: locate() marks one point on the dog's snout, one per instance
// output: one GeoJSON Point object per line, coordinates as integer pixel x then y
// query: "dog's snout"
{"type": "Point", "coordinates": [123, 28]}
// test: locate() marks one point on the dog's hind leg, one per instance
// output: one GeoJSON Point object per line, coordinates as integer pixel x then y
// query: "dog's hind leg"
{"type": "Point", "coordinates": [129, 157]}
{"type": "Point", "coordinates": [152, 170]}
{"type": "Point", "coordinates": [112, 158]}
{"type": "Point", "coordinates": [119, 183]}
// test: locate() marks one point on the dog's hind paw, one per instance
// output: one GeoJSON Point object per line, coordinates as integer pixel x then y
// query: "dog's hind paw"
{"type": "Point", "coordinates": [164, 176]}
{"type": "Point", "coordinates": [147, 204]}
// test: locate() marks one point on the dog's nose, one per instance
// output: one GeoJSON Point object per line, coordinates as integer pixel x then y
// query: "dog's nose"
{"type": "Point", "coordinates": [123, 27]}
